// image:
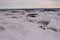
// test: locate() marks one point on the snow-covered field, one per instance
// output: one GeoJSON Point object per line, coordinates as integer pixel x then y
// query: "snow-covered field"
{"type": "Point", "coordinates": [32, 25]}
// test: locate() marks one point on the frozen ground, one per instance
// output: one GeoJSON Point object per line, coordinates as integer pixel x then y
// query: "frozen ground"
{"type": "Point", "coordinates": [23, 25]}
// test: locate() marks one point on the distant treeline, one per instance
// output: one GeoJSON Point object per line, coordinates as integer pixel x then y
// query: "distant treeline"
{"type": "Point", "coordinates": [39, 9]}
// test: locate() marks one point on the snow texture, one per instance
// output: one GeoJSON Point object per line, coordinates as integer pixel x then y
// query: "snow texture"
{"type": "Point", "coordinates": [30, 24]}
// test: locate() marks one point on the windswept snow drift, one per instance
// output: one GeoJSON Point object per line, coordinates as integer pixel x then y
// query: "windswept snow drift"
{"type": "Point", "coordinates": [29, 25]}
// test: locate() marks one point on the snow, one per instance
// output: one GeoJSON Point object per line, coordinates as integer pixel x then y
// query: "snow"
{"type": "Point", "coordinates": [18, 27]}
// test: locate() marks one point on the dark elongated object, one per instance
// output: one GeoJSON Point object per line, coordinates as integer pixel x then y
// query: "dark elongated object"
{"type": "Point", "coordinates": [31, 15]}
